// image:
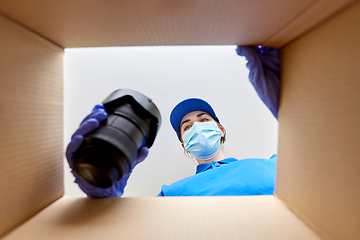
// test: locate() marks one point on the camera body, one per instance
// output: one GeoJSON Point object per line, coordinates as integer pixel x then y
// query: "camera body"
{"type": "Point", "coordinates": [111, 151]}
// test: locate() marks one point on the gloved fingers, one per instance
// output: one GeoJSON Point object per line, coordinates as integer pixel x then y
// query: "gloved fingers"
{"type": "Point", "coordinates": [143, 152]}
{"type": "Point", "coordinates": [87, 126]}
{"type": "Point", "coordinates": [118, 187]}
{"type": "Point", "coordinates": [245, 51]}
{"type": "Point", "coordinates": [98, 106]}
{"type": "Point", "coordinates": [251, 53]}
{"type": "Point", "coordinates": [264, 66]}
{"type": "Point", "coordinates": [72, 147]}
{"type": "Point", "coordinates": [99, 114]}
{"type": "Point", "coordinates": [269, 50]}
{"type": "Point", "coordinates": [270, 57]}
{"type": "Point", "coordinates": [267, 56]}
{"type": "Point", "coordinates": [116, 190]}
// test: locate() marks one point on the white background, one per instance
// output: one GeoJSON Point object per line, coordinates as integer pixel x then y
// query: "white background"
{"type": "Point", "coordinates": [169, 75]}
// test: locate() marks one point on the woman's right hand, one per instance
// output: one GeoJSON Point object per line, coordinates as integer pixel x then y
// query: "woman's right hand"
{"type": "Point", "coordinates": [89, 124]}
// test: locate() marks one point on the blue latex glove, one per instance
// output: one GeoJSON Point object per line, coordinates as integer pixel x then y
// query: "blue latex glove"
{"type": "Point", "coordinates": [264, 66]}
{"type": "Point", "coordinates": [89, 124]}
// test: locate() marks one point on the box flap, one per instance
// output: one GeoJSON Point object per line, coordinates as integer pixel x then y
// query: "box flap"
{"type": "Point", "coordinates": [31, 144]}
{"type": "Point", "coordinates": [312, 16]}
{"type": "Point", "coordinates": [318, 173]}
{"type": "Point", "coordinates": [256, 217]}
{"type": "Point", "coordinates": [95, 23]}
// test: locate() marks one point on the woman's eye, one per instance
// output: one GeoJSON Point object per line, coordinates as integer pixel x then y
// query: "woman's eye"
{"type": "Point", "coordinates": [187, 128]}
{"type": "Point", "coordinates": [204, 120]}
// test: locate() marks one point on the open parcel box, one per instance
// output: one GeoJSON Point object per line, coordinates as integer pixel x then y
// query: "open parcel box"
{"type": "Point", "coordinates": [317, 191]}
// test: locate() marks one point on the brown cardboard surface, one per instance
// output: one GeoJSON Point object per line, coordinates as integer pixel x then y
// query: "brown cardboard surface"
{"type": "Point", "coordinates": [256, 217]}
{"type": "Point", "coordinates": [31, 145]}
{"type": "Point", "coordinates": [316, 13]}
{"type": "Point", "coordinates": [94, 23]}
{"type": "Point", "coordinates": [319, 131]}
{"type": "Point", "coordinates": [318, 172]}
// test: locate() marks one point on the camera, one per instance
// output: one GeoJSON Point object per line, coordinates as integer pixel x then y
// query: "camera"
{"type": "Point", "coordinates": [111, 151]}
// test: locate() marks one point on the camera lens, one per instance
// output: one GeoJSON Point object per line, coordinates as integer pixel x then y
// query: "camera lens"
{"type": "Point", "coordinates": [111, 151]}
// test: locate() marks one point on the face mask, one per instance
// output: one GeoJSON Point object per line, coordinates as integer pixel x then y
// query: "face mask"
{"type": "Point", "coordinates": [202, 140]}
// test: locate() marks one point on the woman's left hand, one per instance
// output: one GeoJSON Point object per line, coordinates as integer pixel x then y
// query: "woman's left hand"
{"type": "Point", "coordinates": [264, 66]}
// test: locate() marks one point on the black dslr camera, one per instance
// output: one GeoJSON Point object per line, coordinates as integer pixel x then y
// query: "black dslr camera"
{"type": "Point", "coordinates": [111, 151]}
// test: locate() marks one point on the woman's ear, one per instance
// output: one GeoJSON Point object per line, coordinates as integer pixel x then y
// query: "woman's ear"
{"type": "Point", "coordinates": [222, 130]}
{"type": "Point", "coordinates": [182, 144]}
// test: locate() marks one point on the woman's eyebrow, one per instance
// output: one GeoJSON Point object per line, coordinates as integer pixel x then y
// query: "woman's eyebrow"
{"type": "Point", "coordinates": [187, 120]}
{"type": "Point", "coordinates": [200, 114]}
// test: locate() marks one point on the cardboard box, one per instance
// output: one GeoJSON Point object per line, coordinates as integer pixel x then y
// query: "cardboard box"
{"type": "Point", "coordinates": [317, 192]}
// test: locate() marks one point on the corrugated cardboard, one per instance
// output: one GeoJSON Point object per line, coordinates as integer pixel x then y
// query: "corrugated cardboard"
{"type": "Point", "coordinates": [255, 217]}
{"type": "Point", "coordinates": [94, 23]}
{"type": "Point", "coordinates": [318, 173]}
{"type": "Point", "coordinates": [31, 94]}
{"type": "Point", "coordinates": [315, 13]}
{"type": "Point", "coordinates": [318, 169]}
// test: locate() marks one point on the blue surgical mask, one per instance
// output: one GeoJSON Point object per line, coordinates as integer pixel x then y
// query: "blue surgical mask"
{"type": "Point", "coordinates": [202, 140]}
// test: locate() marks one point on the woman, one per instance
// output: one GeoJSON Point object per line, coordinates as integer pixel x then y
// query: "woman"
{"type": "Point", "coordinates": [201, 134]}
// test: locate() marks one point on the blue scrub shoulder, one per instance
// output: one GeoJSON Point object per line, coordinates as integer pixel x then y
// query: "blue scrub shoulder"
{"type": "Point", "coordinates": [229, 177]}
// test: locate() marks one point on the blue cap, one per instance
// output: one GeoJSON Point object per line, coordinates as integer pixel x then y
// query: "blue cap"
{"type": "Point", "coordinates": [186, 106]}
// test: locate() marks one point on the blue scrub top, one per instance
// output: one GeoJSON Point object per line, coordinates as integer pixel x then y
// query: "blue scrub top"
{"type": "Point", "coordinates": [228, 177]}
